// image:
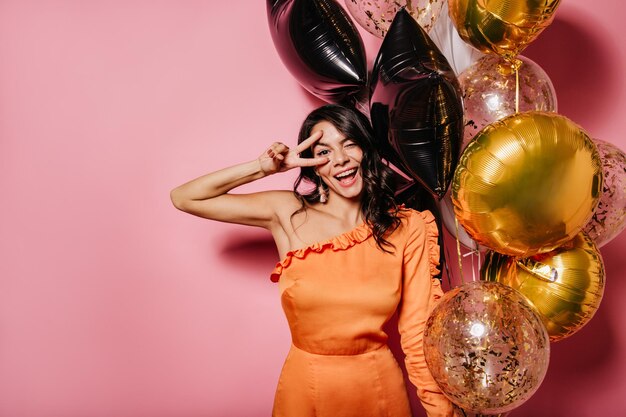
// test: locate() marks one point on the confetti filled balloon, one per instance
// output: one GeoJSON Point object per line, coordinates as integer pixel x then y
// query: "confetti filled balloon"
{"type": "Point", "coordinates": [609, 218]}
{"type": "Point", "coordinates": [486, 347]}
{"type": "Point", "coordinates": [504, 27]}
{"type": "Point", "coordinates": [321, 47]}
{"type": "Point", "coordinates": [415, 104]}
{"type": "Point", "coordinates": [527, 184]}
{"type": "Point", "coordinates": [564, 286]}
{"type": "Point", "coordinates": [489, 91]}
{"type": "Point", "coordinates": [376, 16]}
{"type": "Point", "coordinates": [459, 412]}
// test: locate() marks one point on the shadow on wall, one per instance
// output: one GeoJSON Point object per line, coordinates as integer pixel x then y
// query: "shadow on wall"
{"type": "Point", "coordinates": [251, 250]}
{"type": "Point", "coordinates": [579, 63]}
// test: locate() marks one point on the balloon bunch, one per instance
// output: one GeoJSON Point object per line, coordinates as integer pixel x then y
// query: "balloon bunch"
{"type": "Point", "coordinates": [471, 128]}
{"type": "Point", "coordinates": [534, 190]}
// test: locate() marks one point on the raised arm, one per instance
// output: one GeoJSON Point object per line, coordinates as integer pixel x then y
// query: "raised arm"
{"type": "Point", "coordinates": [208, 196]}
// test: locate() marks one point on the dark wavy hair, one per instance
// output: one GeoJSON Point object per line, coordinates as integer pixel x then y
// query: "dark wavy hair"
{"type": "Point", "coordinates": [377, 199]}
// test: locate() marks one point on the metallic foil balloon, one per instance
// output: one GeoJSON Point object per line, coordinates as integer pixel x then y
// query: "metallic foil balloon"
{"type": "Point", "coordinates": [527, 184]}
{"type": "Point", "coordinates": [489, 91]}
{"type": "Point", "coordinates": [504, 27]}
{"type": "Point", "coordinates": [321, 47]}
{"type": "Point", "coordinates": [486, 347]}
{"type": "Point", "coordinates": [564, 286]}
{"type": "Point", "coordinates": [415, 105]}
{"type": "Point", "coordinates": [376, 15]}
{"type": "Point", "coordinates": [609, 219]}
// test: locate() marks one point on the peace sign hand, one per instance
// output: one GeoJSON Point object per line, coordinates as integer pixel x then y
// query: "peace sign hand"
{"type": "Point", "coordinates": [279, 158]}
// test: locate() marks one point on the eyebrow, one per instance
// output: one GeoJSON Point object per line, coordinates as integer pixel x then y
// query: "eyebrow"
{"type": "Point", "coordinates": [319, 143]}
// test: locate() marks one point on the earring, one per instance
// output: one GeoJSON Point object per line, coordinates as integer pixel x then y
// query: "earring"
{"type": "Point", "coordinates": [323, 193]}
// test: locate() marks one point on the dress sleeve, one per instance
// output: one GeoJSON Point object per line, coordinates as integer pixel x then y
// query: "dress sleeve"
{"type": "Point", "coordinates": [420, 292]}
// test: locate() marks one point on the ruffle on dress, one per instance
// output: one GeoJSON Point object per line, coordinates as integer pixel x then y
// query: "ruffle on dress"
{"type": "Point", "coordinates": [338, 243]}
{"type": "Point", "coordinates": [432, 241]}
{"type": "Point", "coordinates": [360, 234]}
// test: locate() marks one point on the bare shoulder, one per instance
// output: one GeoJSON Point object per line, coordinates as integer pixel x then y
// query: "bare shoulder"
{"type": "Point", "coordinates": [285, 204]}
{"type": "Point", "coordinates": [282, 201]}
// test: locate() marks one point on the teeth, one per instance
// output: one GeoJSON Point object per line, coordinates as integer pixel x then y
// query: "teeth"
{"type": "Point", "coordinates": [346, 173]}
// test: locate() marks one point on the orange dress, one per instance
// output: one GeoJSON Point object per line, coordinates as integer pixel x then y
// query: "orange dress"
{"type": "Point", "coordinates": [337, 296]}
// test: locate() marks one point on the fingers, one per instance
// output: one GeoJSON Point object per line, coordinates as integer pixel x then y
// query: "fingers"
{"type": "Point", "coordinates": [311, 162]}
{"type": "Point", "coordinates": [308, 142]}
{"type": "Point", "coordinates": [277, 148]}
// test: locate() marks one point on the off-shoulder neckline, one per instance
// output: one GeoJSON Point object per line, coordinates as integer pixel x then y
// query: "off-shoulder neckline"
{"type": "Point", "coordinates": [362, 225]}
{"type": "Point", "coordinates": [342, 241]}
{"type": "Point", "coordinates": [349, 234]}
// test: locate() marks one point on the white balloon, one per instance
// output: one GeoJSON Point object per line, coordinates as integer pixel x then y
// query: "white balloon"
{"type": "Point", "coordinates": [447, 214]}
{"type": "Point", "coordinates": [459, 54]}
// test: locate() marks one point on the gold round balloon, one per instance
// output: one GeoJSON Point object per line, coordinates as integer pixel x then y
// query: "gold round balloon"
{"type": "Point", "coordinates": [505, 27]}
{"type": "Point", "coordinates": [564, 286]}
{"type": "Point", "coordinates": [527, 184]}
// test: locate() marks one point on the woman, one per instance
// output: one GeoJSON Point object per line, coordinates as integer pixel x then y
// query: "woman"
{"type": "Point", "coordinates": [350, 259]}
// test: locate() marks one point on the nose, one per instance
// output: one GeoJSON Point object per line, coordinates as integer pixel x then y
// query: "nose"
{"type": "Point", "coordinates": [341, 157]}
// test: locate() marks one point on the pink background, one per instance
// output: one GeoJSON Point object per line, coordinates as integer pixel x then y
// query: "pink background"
{"type": "Point", "coordinates": [112, 302]}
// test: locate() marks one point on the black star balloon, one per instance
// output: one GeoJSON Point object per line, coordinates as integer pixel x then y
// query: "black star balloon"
{"type": "Point", "coordinates": [416, 105]}
{"type": "Point", "coordinates": [321, 47]}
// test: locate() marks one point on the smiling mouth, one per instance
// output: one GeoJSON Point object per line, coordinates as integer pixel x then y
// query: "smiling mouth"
{"type": "Point", "coordinates": [347, 177]}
